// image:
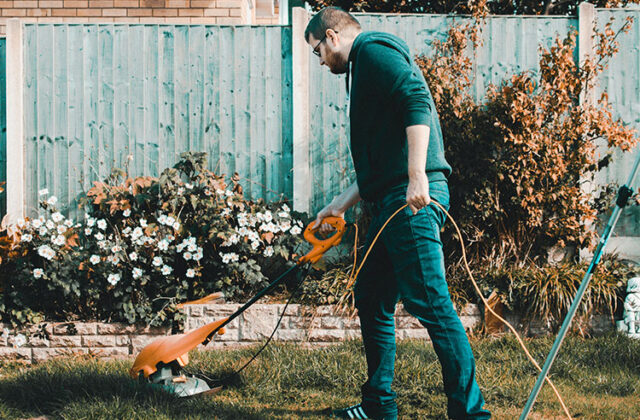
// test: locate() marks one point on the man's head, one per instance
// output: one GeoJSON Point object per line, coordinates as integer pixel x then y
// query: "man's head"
{"type": "Point", "coordinates": [331, 33]}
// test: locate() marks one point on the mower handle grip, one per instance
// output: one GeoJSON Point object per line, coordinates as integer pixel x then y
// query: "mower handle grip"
{"type": "Point", "coordinates": [320, 246]}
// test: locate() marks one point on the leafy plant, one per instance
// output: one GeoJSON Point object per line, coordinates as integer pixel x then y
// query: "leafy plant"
{"type": "Point", "coordinates": [145, 245]}
{"type": "Point", "coordinates": [521, 159]}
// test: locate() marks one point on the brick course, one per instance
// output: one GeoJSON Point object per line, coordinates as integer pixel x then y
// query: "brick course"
{"type": "Point", "coordinates": [221, 12]}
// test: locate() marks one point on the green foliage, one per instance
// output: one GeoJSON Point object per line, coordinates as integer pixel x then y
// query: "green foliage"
{"type": "Point", "coordinates": [145, 245]}
{"type": "Point", "coordinates": [495, 7]}
{"type": "Point", "coordinates": [522, 157]}
{"type": "Point", "coordinates": [545, 293]}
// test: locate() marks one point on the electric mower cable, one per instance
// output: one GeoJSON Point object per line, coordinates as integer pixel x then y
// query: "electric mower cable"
{"type": "Point", "coordinates": [353, 277]}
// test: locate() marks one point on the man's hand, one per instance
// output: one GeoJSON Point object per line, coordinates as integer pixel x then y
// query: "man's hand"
{"type": "Point", "coordinates": [337, 207]}
{"type": "Point", "coordinates": [418, 192]}
{"type": "Point", "coordinates": [330, 210]}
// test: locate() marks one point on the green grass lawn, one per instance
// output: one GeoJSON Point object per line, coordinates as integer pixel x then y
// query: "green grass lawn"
{"type": "Point", "coordinates": [598, 378]}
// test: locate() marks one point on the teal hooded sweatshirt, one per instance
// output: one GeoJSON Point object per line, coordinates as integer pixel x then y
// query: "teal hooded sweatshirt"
{"type": "Point", "coordinates": [388, 93]}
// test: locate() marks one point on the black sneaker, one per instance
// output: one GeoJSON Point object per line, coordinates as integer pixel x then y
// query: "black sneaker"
{"type": "Point", "coordinates": [353, 412]}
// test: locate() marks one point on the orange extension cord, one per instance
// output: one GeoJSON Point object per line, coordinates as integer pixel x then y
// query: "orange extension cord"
{"type": "Point", "coordinates": [354, 274]}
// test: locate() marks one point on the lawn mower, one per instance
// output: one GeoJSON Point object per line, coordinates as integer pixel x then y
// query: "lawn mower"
{"type": "Point", "coordinates": [161, 362]}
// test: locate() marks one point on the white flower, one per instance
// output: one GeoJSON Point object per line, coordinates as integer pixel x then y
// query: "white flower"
{"type": "Point", "coordinates": [255, 245]}
{"type": "Point", "coordinates": [113, 279]}
{"type": "Point", "coordinates": [180, 247]}
{"type": "Point", "coordinates": [170, 238]}
{"type": "Point", "coordinates": [62, 229]}
{"type": "Point", "coordinates": [170, 221]}
{"type": "Point", "coordinates": [176, 226]}
{"type": "Point", "coordinates": [5, 332]}
{"type": "Point", "coordinates": [133, 256]}
{"type": "Point", "coordinates": [99, 236]}
{"type": "Point", "coordinates": [143, 223]}
{"type": "Point", "coordinates": [38, 272]}
{"type": "Point", "coordinates": [116, 248]}
{"type": "Point", "coordinates": [198, 255]}
{"type": "Point", "coordinates": [285, 208]}
{"type": "Point", "coordinates": [163, 245]}
{"type": "Point", "coordinates": [162, 219]}
{"type": "Point", "coordinates": [58, 240]}
{"type": "Point", "coordinates": [192, 247]}
{"type": "Point", "coordinates": [103, 244]}
{"type": "Point", "coordinates": [91, 221]}
{"type": "Point", "coordinates": [284, 226]}
{"type": "Point", "coordinates": [95, 259]}
{"type": "Point", "coordinates": [188, 185]}
{"type": "Point", "coordinates": [20, 340]}
{"type": "Point", "coordinates": [43, 191]}
{"type": "Point", "coordinates": [230, 257]}
{"type": "Point", "coordinates": [126, 213]}
{"type": "Point", "coordinates": [50, 224]}
{"type": "Point", "coordinates": [283, 214]}
{"type": "Point", "coordinates": [26, 237]}
{"type": "Point", "coordinates": [157, 261]}
{"type": "Point", "coordinates": [295, 230]}
{"type": "Point", "coordinates": [228, 193]}
{"type": "Point", "coordinates": [126, 231]}
{"type": "Point", "coordinates": [166, 270]}
{"type": "Point", "coordinates": [191, 273]}
{"type": "Point", "coordinates": [226, 212]}
{"type": "Point", "coordinates": [242, 219]}
{"type": "Point", "coordinates": [113, 259]}
{"type": "Point", "coordinates": [137, 273]}
{"type": "Point", "coordinates": [137, 232]}
{"type": "Point", "coordinates": [268, 251]}
{"type": "Point", "coordinates": [102, 224]}
{"type": "Point", "coordinates": [259, 216]}
{"type": "Point", "coordinates": [268, 216]}
{"type": "Point", "coordinates": [180, 191]}
{"type": "Point", "coordinates": [52, 200]}
{"type": "Point", "coordinates": [36, 223]}
{"type": "Point", "coordinates": [187, 256]}
{"type": "Point", "coordinates": [43, 231]}
{"type": "Point", "coordinates": [68, 223]}
{"type": "Point", "coordinates": [20, 222]}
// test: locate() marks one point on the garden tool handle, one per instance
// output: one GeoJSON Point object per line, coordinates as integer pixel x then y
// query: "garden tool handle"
{"type": "Point", "coordinates": [320, 246]}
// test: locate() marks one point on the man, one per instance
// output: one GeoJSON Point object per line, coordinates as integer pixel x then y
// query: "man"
{"type": "Point", "coordinates": [397, 151]}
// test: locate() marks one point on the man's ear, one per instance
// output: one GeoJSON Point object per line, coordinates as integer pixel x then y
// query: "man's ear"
{"type": "Point", "coordinates": [333, 37]}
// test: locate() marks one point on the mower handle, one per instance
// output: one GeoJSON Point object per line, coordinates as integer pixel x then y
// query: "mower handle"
{"type": "Point", "coordinates": [320, 246]}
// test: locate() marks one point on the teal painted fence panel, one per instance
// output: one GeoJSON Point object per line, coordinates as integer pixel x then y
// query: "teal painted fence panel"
{"type": "Point", "coordinates": [621, 80]}
{"type": "Point", "coordinates": [510, 45]}
{"type": "Point", "coordinates": [3, 125]}
{"type": "Point", "coordinates": [136, 96]}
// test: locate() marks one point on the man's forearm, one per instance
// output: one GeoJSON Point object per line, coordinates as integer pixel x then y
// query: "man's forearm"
{"type": "Point", "coordinates": [348, 198]}
{"type": "Point", "coordinates": [418, 141]}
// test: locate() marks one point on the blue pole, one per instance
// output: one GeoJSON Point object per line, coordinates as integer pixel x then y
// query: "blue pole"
{"type": "Point", "coordinates": [623, 195]}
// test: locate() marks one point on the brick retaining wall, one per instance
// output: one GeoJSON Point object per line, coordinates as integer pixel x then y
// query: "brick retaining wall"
{"type": "Point", "coordinates": [319, 326]}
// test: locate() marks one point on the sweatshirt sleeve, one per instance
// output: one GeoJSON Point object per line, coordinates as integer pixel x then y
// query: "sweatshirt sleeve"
{"type": "Point", "coordinates": [386, 70]}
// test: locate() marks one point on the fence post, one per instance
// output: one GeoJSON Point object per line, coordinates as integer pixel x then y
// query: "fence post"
{"type": "Point", "coordinates": [301, 161]}
{"type": "Point", "coordinates": [586, 22]}
{"type": "Point", "coordinates": [15, 122]}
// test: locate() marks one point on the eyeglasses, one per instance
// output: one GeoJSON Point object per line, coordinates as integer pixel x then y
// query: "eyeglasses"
{"type": "Point", "coordinates": [316, 51]}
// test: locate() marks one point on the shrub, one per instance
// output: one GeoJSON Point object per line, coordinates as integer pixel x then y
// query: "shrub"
{"type": "Point", "coordinates": [546, 293]}
{"type": "Point", "coordinates": [145, 245]}
{"type": "Point", "coordinates": [522, 157]}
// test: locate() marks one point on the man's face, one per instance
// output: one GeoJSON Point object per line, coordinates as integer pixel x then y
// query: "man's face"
{"type": "Point", "coordinates": [328, 51]}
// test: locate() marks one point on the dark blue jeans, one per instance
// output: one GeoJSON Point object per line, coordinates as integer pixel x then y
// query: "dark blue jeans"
{"type": "Point", "coordinates": [407, 263]}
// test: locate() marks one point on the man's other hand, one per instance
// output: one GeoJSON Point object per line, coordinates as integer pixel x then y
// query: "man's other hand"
{"type": "Point", "coordinates": [418, 192]}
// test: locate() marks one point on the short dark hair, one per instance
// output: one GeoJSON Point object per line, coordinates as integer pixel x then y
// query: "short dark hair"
{"type": "Point", "coordinates": [330, 18]}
